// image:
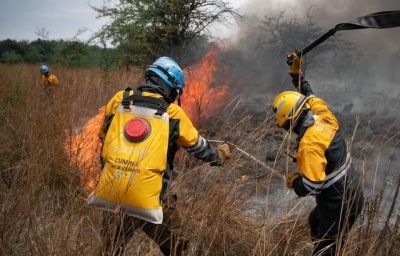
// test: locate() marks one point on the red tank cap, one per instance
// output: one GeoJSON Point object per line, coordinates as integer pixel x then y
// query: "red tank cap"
{"type": "Point", "coordinates": [136, 129]}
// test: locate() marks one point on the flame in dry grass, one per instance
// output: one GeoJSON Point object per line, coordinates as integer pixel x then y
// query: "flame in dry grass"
{"type": "Point", "coordinates": [83, 150]}
{"type": "Point", "coordinates": [202, 97]}
{"type": "Point", "coordinates": [200, 101]}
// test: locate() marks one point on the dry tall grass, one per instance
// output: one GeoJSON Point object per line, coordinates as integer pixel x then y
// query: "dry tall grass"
{"type": "Point", "coordinates": [42, 202]}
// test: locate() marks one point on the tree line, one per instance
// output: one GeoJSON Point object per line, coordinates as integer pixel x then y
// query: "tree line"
{"type": "Point", "coordinates": [139, 31]}
{"type": "Point", "coordinates": [70, 53]}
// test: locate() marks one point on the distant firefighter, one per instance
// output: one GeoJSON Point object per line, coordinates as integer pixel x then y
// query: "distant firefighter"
{"type": "Point", "coordinates": [325, 167]}
{"type": "Point", "coordinates": [48, 80]}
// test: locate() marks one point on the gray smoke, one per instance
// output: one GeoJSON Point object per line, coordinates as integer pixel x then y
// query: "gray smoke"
{"type": "Point", "coordinates": [368, 80]}
{"type": "Point", "coordinates": [363, 86]}
{"type": "Point", "coordinates": [328, 13]}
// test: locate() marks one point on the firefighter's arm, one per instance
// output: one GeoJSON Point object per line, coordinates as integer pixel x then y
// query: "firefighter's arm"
{"type": "Point", "coordinates": [295, 62]}
{"type": "Point", "coordinates": [298, 186]}
{"type": "Point", "coordinates": [311, 162]}
{"type": "Point", "coordinates": [53, 80]}
{"type": "Point", "coordinates": [190, 139]}
{"type": "Point", "coordinates": [320, 108]}
{"type": "Point", "coordinates": [302, 85]}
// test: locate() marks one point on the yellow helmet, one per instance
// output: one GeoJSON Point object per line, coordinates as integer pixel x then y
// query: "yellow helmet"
{"type": "Point", "coordinates": [287, 107]}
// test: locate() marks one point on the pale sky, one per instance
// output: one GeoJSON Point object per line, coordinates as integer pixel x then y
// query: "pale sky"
{"type": "Point", "coordinates": [62, 19]}
{"type": "Point", "coordinates": [21, 19]}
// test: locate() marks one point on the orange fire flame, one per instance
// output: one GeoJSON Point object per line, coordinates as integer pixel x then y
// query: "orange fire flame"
{"type": "Point", "coordinates": [201, 96]}
{"type": "Point", "coordinates": [83, 150]}
{"type": "Point", "coordinates": [200, 101]}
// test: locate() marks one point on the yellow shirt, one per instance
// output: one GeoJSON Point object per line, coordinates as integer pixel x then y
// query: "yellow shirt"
{"type": "Point", "coordinates": [48, 81]}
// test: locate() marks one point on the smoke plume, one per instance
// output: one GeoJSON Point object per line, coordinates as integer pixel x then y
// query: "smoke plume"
{"type": "Point", "coordinates": [366, 77]}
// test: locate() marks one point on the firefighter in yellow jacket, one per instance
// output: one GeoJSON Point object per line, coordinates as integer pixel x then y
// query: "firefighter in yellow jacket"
{"type": "Point", "coordinates": [47, 80]}
{"type": "Point", "coordinates": [325, 166]}
{"type": "Point", "coordinates": [141, 132]}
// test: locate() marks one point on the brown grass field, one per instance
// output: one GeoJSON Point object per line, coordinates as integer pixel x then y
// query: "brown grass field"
{"type": "Point", "coordinates": [238, 209]}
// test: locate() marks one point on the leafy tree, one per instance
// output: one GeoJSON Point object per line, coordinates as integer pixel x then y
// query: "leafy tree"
{"type": "Point", "coordinates": [45, 47]}
{"type": "Point", "coordinates": [33, 55]}
{"type": "Point", "coordinates": [72, 53]}
{"type": "Point", "coordinates": [145, 29]}
{"type": "Point", "coordinates": [11, 57]}
{"type": "Point", "coordinates": [9, 45]}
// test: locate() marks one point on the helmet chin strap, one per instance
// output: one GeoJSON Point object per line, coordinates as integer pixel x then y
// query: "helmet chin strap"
{"type": "Point", "coordinates": [178, 97]}
{"type": "Point", "coordinates": [294, 127]}
{"type": "Point", "coordinates": [170, 94]}
{"type": "Point", "coordinates": [174, 94]}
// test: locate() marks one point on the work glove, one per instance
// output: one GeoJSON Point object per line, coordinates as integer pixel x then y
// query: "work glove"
{"type": "Point", "coordinates": [290, 178]}
{"type": "Point", "coordinates": [294, 61]}
{"type": "Point", "coordinates": [223, 153]}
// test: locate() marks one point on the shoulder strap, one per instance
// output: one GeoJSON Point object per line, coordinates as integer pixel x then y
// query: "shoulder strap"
{"type": "Point", "coordinates": [137, 99]}
{"type": "Point", "coordinates": [125, 98]}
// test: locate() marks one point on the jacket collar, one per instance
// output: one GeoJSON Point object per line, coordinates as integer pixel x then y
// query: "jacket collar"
{"type": "Point", "coordinates": [308, 120]}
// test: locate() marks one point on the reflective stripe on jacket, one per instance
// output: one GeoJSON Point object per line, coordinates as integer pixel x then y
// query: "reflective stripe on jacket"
{"type": "Point", "coordinates": [326, 167]}
{"type": "Point", "coordinates": [322, 154]}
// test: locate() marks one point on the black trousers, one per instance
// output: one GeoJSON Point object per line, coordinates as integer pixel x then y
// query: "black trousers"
{"type": "Point", "coordinates": [329, 234]}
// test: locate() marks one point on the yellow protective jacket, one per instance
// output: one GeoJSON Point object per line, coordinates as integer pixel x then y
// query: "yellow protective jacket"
{"type": "Point", "coordinates": [324, 163]}
{"type": "Point", "coordinates": [49, 81]}
{"type": "Point", "coordinates": [315, 145]}
{"type": "Point", "coordinates": [181, 130]}
{"type": "Point", "coordinates": [136, 172]}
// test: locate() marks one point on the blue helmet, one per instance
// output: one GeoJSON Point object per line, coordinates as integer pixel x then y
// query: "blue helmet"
{"type": "Point", "coordinates": [44, 69]}
{"type": "Point", "coordinates": [169, 71]}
